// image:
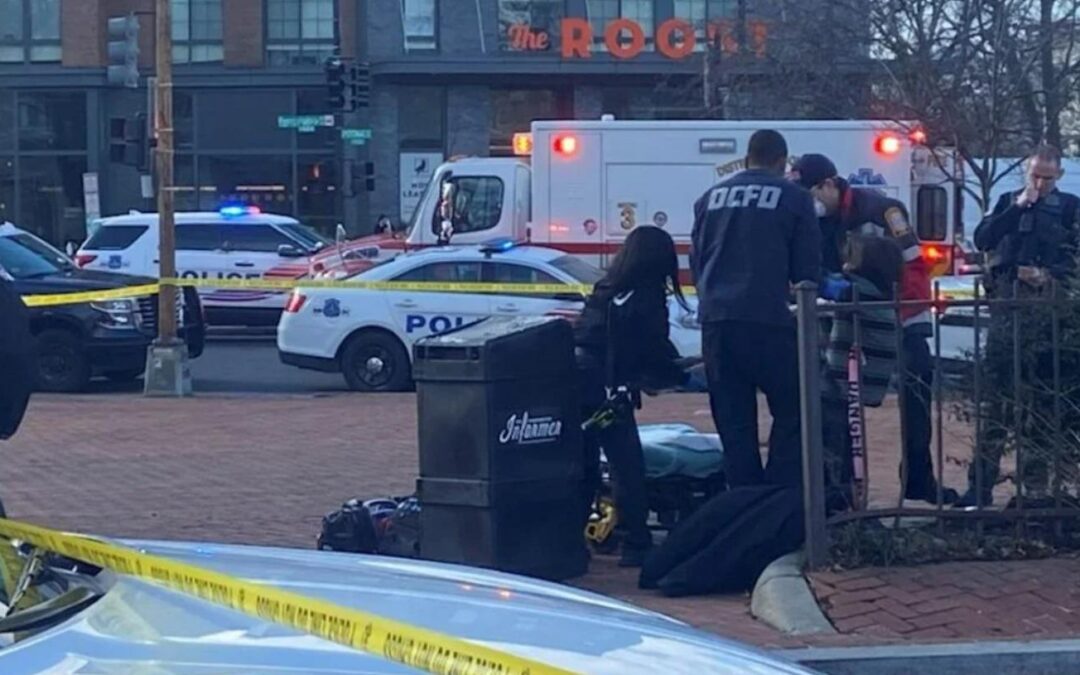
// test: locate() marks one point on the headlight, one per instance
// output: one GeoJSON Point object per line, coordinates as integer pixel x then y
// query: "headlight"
{"type": "Point", "coordinates": [120, 313]}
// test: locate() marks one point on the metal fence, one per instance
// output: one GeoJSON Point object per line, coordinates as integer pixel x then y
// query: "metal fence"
{"type": "Point", "coordinates": [1005, 365]}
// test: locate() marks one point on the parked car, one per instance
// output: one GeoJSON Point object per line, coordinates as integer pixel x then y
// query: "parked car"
{"type": "Point", "coordinates": [367, 335]}
{"type": "Point", "coordinates": [78, 341]}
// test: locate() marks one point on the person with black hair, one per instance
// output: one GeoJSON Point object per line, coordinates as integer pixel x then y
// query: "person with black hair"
{"type": "Point", "coordinates": [755, 234]}
{"type": "Point", "coordinates": [623, 348]}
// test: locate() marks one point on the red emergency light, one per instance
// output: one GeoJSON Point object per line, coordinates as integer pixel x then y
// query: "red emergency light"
{"type": "Point", "coordinates": [566, 145]}
{"type": "Point", "coordinates": [888, 144]}
{"type": "Point", "coordinates": [918, 137]}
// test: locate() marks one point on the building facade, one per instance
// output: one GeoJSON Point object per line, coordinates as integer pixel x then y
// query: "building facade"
{"type": "Point", "coordinates": [449, 77]}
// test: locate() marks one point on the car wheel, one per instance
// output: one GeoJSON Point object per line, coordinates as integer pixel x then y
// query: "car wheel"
{"type": "Point", "coordinates": [376, 362]}
{"type": "Point", "coordinates": [62, 363]}
{"type": "Point", "coordinates": [125, 375]}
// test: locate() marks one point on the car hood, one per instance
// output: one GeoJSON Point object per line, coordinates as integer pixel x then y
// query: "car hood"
{"type": "Point", "coordinates": [137, 622]}
{"type": "Point", "coordinates": [76, 280]}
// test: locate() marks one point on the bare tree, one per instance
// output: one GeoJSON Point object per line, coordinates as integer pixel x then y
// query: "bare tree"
{"type": "Point", "coordinates": [989, 78]}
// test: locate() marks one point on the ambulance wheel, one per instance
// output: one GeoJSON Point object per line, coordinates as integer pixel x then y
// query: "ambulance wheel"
{"type": "Point", "coordinates": [62, 363]}
{"type": "Point", "coordinates": [375, 361]}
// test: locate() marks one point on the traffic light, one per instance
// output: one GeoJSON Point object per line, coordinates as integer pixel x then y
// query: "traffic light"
{"type": "Point", "coordinates": [361, 85]}
{"type": "Point", "coordinates": [336, 95]}
{"type": "Point", "coordinates": [123, 70]}
{"type": "Point", "coordinates": [369, 176]}
{"type": "Point", "coordinates": [136, 142]}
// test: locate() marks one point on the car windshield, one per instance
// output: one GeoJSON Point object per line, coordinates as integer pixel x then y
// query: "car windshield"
{"type": "Point", "coordinates": [24, 257]}
{"type": "Point", "coordinates": [307, 236]}
{"type": "Point", "coordinates": [414, 220]}
{"type": "Point", "coordinates": [582, 271]}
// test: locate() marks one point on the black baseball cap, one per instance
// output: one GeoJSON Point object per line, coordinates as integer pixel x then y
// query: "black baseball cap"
{"type": "Point", "coordinates": [813, 169]}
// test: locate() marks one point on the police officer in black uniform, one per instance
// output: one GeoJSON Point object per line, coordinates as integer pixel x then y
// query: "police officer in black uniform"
{"type": "Point", "coordinates": [755, 234]}
{"type": "Point", "coordinates": [1031, 236]}
{"type": "Point", "coordinates": [17, 364]}
{"type": "Point", "coordinates": [623, 348]}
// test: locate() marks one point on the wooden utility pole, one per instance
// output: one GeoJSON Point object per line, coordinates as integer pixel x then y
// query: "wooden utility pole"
{"type": "Point", "coordinates": [163, 125]}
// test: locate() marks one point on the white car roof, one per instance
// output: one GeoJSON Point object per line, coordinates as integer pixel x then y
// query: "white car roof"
{"type": "Point", "coordinates": [522, 253]}
{"type": "Point", "coordinates": [200, 217]}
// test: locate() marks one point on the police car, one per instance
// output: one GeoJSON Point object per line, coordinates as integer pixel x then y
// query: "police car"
{"type": "Point", "coordinates": [367, 334]}
{"type": "Point", "coordinates": [236, 242]}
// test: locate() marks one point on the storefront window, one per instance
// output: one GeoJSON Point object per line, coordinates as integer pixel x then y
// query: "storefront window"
{"type": "Point", "coordinates": [196, 31]}
{"type": "Point", "coordinates": [513, 111]}
{"type": "Point", "coordinates": [264, 181]}
{"type": "Point", "coordinates": [300, 32]}
{"type": "Point", "coordinates": [51, 196]}
{"type": "Point", "coordinates": [313, 102]}
{"type": "Point", "coordinates": [652, 103]}
{"type": "Point", "coordinates": [52, 121]}
{"type": "Point", "coordinates": [184, 119]}
{"type": "Point", "coordinates": [530, 25]}
{"type": "Point", "coordinates": [7, 119]}
{"type": "Point", "coordinates": [603, 12]}
{"type": "Point", "coordinates": [7, 189]}
{"type": "Point", "coordinates": [29, 31]}
{"type": "Point", "coordinates": [319, 199]}
{"type": "Point", "coordinates": [418, 24]}
{"type": "Point", "coordinates": [231, 120]}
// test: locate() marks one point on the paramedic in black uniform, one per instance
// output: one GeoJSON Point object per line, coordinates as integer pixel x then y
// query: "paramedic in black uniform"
{"type": "Point", "coordinates": [755, 234]}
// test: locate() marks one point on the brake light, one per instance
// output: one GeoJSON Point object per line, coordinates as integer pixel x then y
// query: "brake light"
{"type": "Point", "coordinates": [296, 302]}
{"type": "Point", "coordinates": [84, 259]}
{"type": "Point", "coordinates": [523, 144]}
{"type": "Point", "coordinates": [938, 258]}
{"type": "Point", "coordinates": [566, 145]}
{"type": "Point", "coordinates": [933, 253]}
{"type": "Point", "coordinates": [888, 144]}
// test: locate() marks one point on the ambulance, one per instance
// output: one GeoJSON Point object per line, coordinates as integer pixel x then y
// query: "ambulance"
{"type": "Point", "coordinates": [582, 186]}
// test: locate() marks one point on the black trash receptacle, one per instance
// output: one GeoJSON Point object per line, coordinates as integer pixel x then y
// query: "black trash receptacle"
{"type": "Point", "coordinates": [501, 447]}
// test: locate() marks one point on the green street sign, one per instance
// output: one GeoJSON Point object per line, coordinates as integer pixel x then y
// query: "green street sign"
{"type": "Point", "coordinates": [358, 141]}
{"type": "Point", "coordinates": [304, 123]}
{"type": "Point", "coordinates": [356, 134]}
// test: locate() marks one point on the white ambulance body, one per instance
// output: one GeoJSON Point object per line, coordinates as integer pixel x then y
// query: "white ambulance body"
{"type": "Point", "coordinates": [581, 186]}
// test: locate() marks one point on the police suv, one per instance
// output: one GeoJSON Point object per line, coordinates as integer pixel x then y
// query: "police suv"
{"type": "Point", "coordinates": [367, 334]}
{"type": "Point", "coordinates": [237, 242]}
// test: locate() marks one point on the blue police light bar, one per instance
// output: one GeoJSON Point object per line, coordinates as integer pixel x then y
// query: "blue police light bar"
{"type": "Point", "coordinates": [498, 245]}
{"type": "Point", "coordinates": [238, 210]}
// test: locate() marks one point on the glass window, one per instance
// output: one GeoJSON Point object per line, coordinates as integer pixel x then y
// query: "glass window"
{"type": "Point", "coordinates": [7, 189]}
{"type": "Point", "coordinates": [196, 31]}
{"type": "Point", "coordinates": [418, 19]}
{"type": "Point", "coordinates": [603, 12]}
{"type": "Point", "coordinates": [300, 31]}
{"type": "Point", "coordinates": [256, 238]}
{"type": "Point", "coordinates": [313, 102]}
{"type": "Point", "coordinates": [22, 263]}
{"type": "Point", "coordinates": [29, 30]}
{"type": "Point", "coordinates": [184, 119]}
{"type": "Point", "coordinates": [52, 120]}
{"type": "Point", "coordinates": [115, 237]}
{"type": "Point", "coordinates": [263, 180]}
{"type": "Point", "coordinates": [319, 199]}
{"type": "Point", "coordinates": [51, 196]}
{"type": "Point", "coordinates": [184, 183]}
{"type": "Point", "coordinates": [582, 271]}
{"type": "Point", "coordinates": [933, 213]}
{"type": "Point", "coordinates": [196, 237]}
{"type": "Point", "coordinates": [508, 273]}
{"type": "Point", "coordinates": [541, 17]}
{"type": "Point", "coordinates": [307, 236]}
{"type": "Point", "coordinates": [702, 13]}
{"type": "Point", "coordinates": [476, 204]}
{"type": "Point", "coordinates": [243, 119]}
{"type": "Point", "coordinates": [444, 272]}
{"type": "Point", "coordinates": [7, 119]}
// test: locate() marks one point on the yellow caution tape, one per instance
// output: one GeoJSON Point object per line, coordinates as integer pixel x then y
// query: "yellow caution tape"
{"type": "Point", "coordinates": [89, 296]}
{"type": "Point", "coordinates": [396, 641]}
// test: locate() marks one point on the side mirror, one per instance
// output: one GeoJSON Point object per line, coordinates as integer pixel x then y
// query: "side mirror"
{"type": "Point", "coordinates": [289, 251]}
{"type": "Point", "coordinates": [340, 235]}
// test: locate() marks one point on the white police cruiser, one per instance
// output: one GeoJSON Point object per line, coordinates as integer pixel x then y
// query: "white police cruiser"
{"type": "Point", "coordinates": [367, 334]}
{"type": "Point", "coordinates": [236, 242]}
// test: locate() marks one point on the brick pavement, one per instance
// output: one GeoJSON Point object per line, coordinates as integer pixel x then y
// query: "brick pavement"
{"type": "Point", "coordinates": [264, 470]}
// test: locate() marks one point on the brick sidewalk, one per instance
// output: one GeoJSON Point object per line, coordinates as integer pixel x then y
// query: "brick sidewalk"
{"type": "Point", "coordinates": [264, 470]}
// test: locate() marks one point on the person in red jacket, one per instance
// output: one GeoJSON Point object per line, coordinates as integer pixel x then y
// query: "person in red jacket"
{"type": "Point", "coordinates": [842, 210]}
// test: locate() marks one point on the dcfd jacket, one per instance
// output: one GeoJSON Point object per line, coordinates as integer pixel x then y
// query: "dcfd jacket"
{"type": "Point", "coordinates": [869, 212]}
{"type": "Point", "coordinates": [754, 235]}
{"type": "Point", "coordinates": [634, 325]}
{"type": "Point", "coordinates": [1043, 235]}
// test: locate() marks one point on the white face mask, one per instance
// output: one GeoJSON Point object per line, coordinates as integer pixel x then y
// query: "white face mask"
{"type": "Point", "coordinates": [819, 208]}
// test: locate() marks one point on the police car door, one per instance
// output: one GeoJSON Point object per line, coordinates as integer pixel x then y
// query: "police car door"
{"type": "Point", "coordinates": [198, 252]}
{"type": "Point", "coordinates": [508, 303]}
{"type": "Point", "coordinates": [252, 249]}
{"type": "Point", "coordinates": [422, 313]}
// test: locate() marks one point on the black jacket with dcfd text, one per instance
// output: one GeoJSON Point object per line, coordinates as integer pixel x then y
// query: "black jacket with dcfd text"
{"type": "Point", "coordinates": [754, 235]}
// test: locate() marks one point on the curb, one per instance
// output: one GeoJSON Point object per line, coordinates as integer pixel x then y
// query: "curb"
{"type": "Point", "coordinates": [1045, 657]}
{"type": "Point", "coordinates": [782, 599]}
